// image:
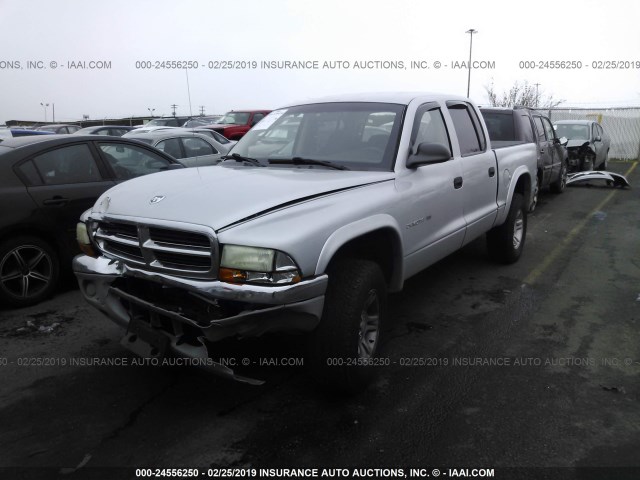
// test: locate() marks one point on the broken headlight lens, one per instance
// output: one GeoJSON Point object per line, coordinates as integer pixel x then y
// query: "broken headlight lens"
{"type": "Point", "coordinates": [240, 264]}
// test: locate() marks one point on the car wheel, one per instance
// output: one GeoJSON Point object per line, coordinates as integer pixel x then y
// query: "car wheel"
{"type": "Point", "coordinates": [29, 271]}
{"type": "Point", "coordinates": [536, 193]}
{"type": "Point", "coordinates": [343, 347]}
{"type": "Point", "coordinates": [559, 185]}
{"type": "Point", "coordinates": [506, 242]}
{"type": "Point", "coordinates": [605, 163]}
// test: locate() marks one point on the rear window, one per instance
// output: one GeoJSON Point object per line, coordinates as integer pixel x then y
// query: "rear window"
{"type": "Point", "coordinates": [500, 126]}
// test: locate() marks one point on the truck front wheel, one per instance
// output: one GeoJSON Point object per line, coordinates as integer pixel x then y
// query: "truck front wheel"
{"type": "Point", "coordinates": [344, 346]}
{"type": "Point", "coordinates": [506, 242]}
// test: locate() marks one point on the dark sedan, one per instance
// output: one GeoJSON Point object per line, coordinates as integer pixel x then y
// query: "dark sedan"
{"type": "Point", "coordinates": [46, 182]}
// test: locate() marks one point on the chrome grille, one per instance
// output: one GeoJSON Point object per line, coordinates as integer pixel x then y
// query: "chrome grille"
{"type": "Point", "coordinates": [165, 249]}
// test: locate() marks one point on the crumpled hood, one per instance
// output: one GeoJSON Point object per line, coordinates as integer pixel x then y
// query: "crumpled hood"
{"type": "Point", "coordinates": [577, 143]}
{"type": "Point", "coordinates": [219, 196]}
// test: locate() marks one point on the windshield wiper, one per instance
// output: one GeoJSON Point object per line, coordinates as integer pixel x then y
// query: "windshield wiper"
{"type": "Point", "coordinates": [305, 161]}
{"type": "Point", "coordinates": [239, 158]}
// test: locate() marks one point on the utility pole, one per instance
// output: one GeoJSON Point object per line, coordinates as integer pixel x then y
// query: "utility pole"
{"type": "Point", "coordinates": [186, 71]}
{"type": "Point", "coordinates": [471, 31]}
{"type": "Point", "coordinates": [537, 94]}
{"type": "Point", "coordinates": [201, 111]}
{"type": "Point", "coordinates": [174, 106]}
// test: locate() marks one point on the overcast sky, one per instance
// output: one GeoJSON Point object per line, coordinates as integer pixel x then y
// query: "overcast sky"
{"type": "Point", "coordinates": [120, 33]}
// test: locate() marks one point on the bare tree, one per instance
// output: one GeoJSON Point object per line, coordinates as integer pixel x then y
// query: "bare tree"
{"type": "Point", "coordinates": [522, 94]}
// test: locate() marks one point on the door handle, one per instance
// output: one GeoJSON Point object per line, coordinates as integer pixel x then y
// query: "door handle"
{"type": "Point", "coordinates": [492, 171]}
{"type": "Point", "coordinates": [56, 201]}
{"type": "Point", "coordinates": [457, 182]}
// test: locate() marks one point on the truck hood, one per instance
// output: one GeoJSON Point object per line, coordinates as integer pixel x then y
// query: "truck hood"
{"type": "Point", "coordinates": [220, 196]}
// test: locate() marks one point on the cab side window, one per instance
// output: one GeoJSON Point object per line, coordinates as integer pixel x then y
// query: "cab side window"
{"type": "Point", "coordinates": [470, 136]}
{"type": "Point", "coordinates": [429, 127]}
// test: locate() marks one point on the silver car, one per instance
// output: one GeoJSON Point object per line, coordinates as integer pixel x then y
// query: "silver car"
{"type": "Point", "coordinates": [588, 144]}
{"type": "Point", "coordinates": [191, 149]}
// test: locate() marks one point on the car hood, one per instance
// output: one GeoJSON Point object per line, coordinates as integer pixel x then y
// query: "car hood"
{"type": "Point", "coordinates": [220, 196]}
{"type": "Point", "coordinates": [577, 143]}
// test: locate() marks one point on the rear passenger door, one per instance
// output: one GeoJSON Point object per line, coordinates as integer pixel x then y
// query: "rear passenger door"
{"type": "Point", "coordinates": [545, 152]}
{"type": "Point", "coordinates": [555, 149]}
{"type": "Point", "coordinates": [479, 183]}
{"type": "Point", "coordinates": [64, 182]}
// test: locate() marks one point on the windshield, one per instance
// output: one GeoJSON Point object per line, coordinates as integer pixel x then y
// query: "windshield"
{"type": "Point", "coordinates": [197, 122]}
{"type": "Point", "coordinates": [352, 135]}
{"type": "Point", "coordinates": [235, 118]}
{"type": "Point", "coordinates": [572, 131]}
{"type": "Point", "coordinates": [163, 122]}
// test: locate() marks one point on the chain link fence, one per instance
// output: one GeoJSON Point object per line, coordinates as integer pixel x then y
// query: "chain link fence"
{"type": "Point", "coordinates": [622, 124]}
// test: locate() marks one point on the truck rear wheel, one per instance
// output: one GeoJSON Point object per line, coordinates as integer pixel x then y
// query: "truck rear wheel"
{"type": "Point", "coordinates": [506, 242]}
{"type": "Point", "coordinates": [559, 185]}
{"type": "Point", "coordinates": [343, 348]}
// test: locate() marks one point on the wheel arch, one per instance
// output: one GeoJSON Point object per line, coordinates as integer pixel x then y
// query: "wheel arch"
{"type": "Point", "coordinates": [520, 183]}
{"type": "Point", "coordinates": [375, 238]}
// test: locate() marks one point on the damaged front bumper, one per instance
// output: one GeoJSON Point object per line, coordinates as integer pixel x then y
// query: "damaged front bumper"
{"type": "Point", "coordinates": [165, 313]}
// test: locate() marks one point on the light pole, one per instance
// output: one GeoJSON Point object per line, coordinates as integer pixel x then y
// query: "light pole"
{"type": "Point", "coordinates": [151, 110]}
{"type": "Point", "coordinates": [471, 31]}
{"type": "Point", "coordinates": [45, 105]}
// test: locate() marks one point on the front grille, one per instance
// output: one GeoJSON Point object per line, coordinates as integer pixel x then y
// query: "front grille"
{"type": "Point", "coordinates": [177, 251]}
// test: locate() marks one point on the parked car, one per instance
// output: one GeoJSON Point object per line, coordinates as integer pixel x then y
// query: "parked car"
{"type": "Point", "coordinates": [235, 124]}
{"type": "Point", "coordinates": [192, 149]}
{"type": "Point", "coordinates": [588, 144]}
{"type": "Point", "coordinates": [21, 132]}
{"type": "Point", "coordinates": [210, 132]}
{"type": "Point", "coordinates": [46, 182]}
{"type": "Point", "coordinates": [172, 121]}
{"type": "Point", "coordinates": [309, 236]}
{"type": "Point", "coordinates": [58, 128]}
{"type": "Point", "coordinates": [509, 126]}
{"type": "Point", "coordinates": [111, 130]}
{"type": "Point", "coordinates": [200, 121]}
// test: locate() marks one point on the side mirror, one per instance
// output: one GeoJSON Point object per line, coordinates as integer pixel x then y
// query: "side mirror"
{"type": "Point", "coordinates": [428, 153]}
{"type": "Point", "coordinates": [598, 138]}
{"type": "Point", "coordinates": [563, 141]}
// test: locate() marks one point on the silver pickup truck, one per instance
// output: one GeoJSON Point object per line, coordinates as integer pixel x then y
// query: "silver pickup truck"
{"type": "Point", "coordinates": [318, 212]}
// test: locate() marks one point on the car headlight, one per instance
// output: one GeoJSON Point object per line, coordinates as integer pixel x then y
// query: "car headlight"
{"type": "Point", "coordinates": [240, 264]}
{"type": "Point", "coordinates": [84, 242]}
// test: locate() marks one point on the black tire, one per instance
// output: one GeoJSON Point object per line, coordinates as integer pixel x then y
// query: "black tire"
{"type": "Point", "coordinates": [29, 271]}
{"type": "Point", "coordinates": [347, 340]}
{"type": "Point", "coordinates": [506, 242]}
{"type": "Point", "coordinates": [561, 182]}
{"type": "Point", "coordinates": [605, 163]}
{"type": "Point", "coordinates": [536, 194]}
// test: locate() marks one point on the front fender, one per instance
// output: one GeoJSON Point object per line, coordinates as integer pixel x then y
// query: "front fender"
{"type": "Point", "coordinates": [351, 231]}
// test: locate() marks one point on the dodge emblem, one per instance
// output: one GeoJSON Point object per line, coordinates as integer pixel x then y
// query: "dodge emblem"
{"type": "Point", "coordinates": [156, 199]}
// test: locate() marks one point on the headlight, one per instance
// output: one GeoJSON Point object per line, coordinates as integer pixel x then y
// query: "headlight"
{"type": "Point", "coordinates": [84, 242]}
{"type": "Point", "coordinates": [241, 264]}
